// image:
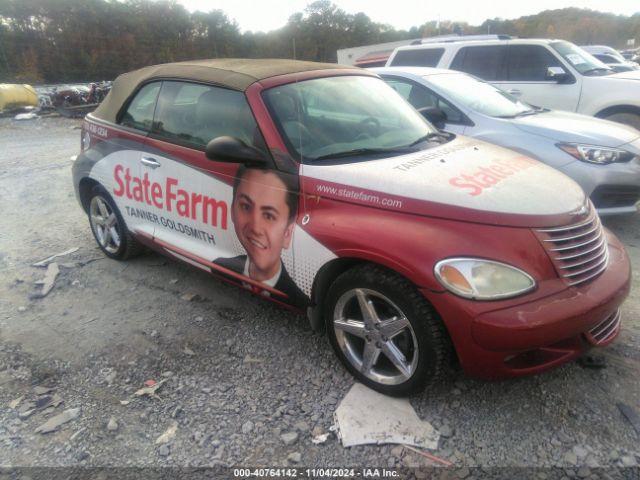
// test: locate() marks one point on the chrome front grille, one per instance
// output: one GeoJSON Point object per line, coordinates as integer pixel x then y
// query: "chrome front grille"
{"type": "Point", "coordinates": [579, 251]}
{"type": "Point", "coordinates": [605, 330]}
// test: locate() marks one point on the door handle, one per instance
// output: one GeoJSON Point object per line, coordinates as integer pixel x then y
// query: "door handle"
{"type": "Point", "coordinates": [150, 162]}
{"type": "Point", "coordinates": [515, 92]}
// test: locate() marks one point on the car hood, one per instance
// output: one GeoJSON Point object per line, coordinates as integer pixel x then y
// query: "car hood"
{"type": "Point", "coordinates": [632, 75]}
{"type": "Point", "coordinates": [573, 128]}
{"type": "Point", "coordinates": [465, 179]}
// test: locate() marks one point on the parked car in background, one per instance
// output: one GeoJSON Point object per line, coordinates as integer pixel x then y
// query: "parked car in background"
{"type": "Point", "coordinates": [547, 73]}
{"type": "Point", "coordinates": [602, 156]}
{"type": "Point", "coordinates": [611, 57]}
{"type": "Point", "coordinates": [631, 55]}
{"type": "Point", "coordinates": [317, 187]}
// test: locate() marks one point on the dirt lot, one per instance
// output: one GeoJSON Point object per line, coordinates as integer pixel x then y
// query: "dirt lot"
{"type": "Point", "coordinates": [241, 374]}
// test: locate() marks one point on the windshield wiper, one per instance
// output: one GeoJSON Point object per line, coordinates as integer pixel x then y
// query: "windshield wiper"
{"type": "Point", "coordinates": [401, 149]}
{"type": "Point", "coordinates": [360, 151]}
{"type": "Point", "coordinates": [524, 113]}
{"type": "Point", "coordinates": [528, 112]}
{"type": "Point", "coordinates": [428, 136]}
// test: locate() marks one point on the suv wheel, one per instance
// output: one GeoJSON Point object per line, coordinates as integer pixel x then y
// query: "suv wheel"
{"type": "Point", "coordinates": [385, 332]}
{"type": "Point", "coordinates": [631, 119]}
{"type": "Point", "coordinates": [108, 227]}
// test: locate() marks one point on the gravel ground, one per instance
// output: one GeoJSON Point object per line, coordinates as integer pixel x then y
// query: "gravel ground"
{"type": "Point", "coordinates": [245, 383]}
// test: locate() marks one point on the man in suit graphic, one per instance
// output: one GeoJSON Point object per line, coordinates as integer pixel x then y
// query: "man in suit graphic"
{"type": "Point", "coordinates": [263, 211]}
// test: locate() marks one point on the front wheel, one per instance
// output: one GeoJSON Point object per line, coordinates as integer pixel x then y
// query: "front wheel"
{"type": "Point", "coordinates": [385, 332]}
{"type": "Point", "coordinates": [108, 227]}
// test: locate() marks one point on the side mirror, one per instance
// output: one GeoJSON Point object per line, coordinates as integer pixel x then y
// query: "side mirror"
{"type": "Point", "coordinates": [234, 150]}
{"type": "Point", "coordinates": [557, 74]}
{"type": "Point", "coordinates": [434, 115]}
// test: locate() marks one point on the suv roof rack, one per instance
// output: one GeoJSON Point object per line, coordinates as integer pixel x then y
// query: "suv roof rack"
{"type": "Point", "coordinates": [459, 38]}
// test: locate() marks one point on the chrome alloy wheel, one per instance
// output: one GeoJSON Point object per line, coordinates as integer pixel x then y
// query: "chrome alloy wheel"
{"type": "Point", "coordinates": [104, 223]}
{"type": "Point", "coordinates": [375, 336]}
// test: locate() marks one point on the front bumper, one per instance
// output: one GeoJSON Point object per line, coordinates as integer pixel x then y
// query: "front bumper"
{"type": "Point", "coordinates": [613, 189]}
{"type": "Point", "coordinates": [531, 337]}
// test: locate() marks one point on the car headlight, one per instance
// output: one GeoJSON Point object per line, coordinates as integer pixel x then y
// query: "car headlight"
{"type": "Point", "coordinates": [481, 279]}
{"type": "Point", "coordinates": [596, 154]}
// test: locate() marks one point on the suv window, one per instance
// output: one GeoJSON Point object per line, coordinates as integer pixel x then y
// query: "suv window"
{"type": "Point", "coordinates": [529, 63]}
{"type": "Point", "coordinates": [139, 113]}
{"type": "Point", "coordinates": [195, 114]}
{"type": "Point", "coordinates": [424, 57]}
{"type": "Point", "coordinates": [420, 96]}
{"type": "Point", "coordinates": [486, 62]}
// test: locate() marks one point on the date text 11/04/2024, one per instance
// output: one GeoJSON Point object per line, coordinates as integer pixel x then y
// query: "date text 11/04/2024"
{"type": "Point", "coordinates": [315, 473]}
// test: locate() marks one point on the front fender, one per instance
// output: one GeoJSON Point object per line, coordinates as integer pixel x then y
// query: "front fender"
{"type": "Point", "coordinates": [411, 245]}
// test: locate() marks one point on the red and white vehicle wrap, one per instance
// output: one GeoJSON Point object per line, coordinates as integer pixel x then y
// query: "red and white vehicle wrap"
{"type": "Point", "coordinates": [464, 198]}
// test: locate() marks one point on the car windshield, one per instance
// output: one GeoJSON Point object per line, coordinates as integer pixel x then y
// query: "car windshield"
{"type": "Point", "coordinates": [616, 55]}
{"type": "Point", "coordinates": [346, 116]}
{"type": "Point", "coordinates": [613, 53]}
{"type": "Point", "coordinates": [582, 61]}
{"type": "Point", "coordinates": [479, 96]}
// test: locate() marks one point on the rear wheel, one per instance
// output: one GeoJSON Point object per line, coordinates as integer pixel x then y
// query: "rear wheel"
{"type": "Point", "coordinates": [108, 227]}
{"type": "Point", "coordinates": [385, 332]}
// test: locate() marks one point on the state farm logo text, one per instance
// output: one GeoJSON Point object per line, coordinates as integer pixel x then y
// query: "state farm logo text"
{"type": "Point", "coordinates": [170, 197]}
{"type": "Point", "coordinates": [485, 177]}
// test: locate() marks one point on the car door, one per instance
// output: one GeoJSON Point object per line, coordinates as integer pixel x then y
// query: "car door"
{"type": "Point", "coordinates": [231, 219]}
{"type": "Point", "coordinates": [192, 206]}
{"type": "Point", "coordinates": [125, 178]}
{"type": "Point", "coordinates": [525, 77]}
{"type": "Point", "coordinates": [420, 96]}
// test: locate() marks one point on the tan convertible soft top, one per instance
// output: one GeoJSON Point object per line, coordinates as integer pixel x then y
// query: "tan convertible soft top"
{"type": "Point", "coordinates": [233, 73]}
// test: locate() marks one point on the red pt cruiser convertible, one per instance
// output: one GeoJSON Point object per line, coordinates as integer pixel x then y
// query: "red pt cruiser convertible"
{"type": "Point", "coordinates": [319, 188]}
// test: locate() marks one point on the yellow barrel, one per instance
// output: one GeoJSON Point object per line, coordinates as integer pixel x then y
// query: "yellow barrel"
{"type": "Point", "coordinates": [15, 96]}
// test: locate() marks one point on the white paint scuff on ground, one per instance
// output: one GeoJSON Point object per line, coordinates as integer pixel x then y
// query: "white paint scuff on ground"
{"type": "Point", "coordinates": [368, 417]}
{"type": "Point", "coordinates": [48, 260]}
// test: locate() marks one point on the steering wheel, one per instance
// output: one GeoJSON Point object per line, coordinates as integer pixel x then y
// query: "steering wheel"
{"type": "Point", "coordinates": [369, 126]}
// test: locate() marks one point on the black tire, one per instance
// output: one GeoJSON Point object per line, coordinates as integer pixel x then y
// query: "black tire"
{"type": "Point", "coordinates": [128, 246]}
{"type": "Point", "coordinates": [626, 118]}
{"type": "Point", "coordinates": [434, 349]}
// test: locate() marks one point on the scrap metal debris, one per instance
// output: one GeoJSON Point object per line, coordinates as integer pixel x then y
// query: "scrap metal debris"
{"type": "Point", "coordinates": [319, 439]}
{"type": "Point", "coordinates": [26, 116]}
{"type": "Point", "coordinates": [431, 457]}
{"type": "Point", "coordinates": [150, 391]}
{"type": "Point", "coordinates": [631, 415]}
{"type": "Point", "coordinates": [48, 260]}
{"type": "Point", "coordinates": [48, 281]}
{"type": "Point", "coordinates": [54, 423]}
{"type": "Point", "coordinates": [365, 416]}
{"type": "Point", "coordinates": [168, 435]}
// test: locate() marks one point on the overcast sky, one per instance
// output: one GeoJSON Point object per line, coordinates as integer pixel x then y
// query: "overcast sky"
{"type": "Point", "coordinates": [265, 15]}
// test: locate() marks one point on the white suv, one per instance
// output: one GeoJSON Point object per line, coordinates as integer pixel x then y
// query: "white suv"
{"type": "Point", "coordinates": [549, 73]}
